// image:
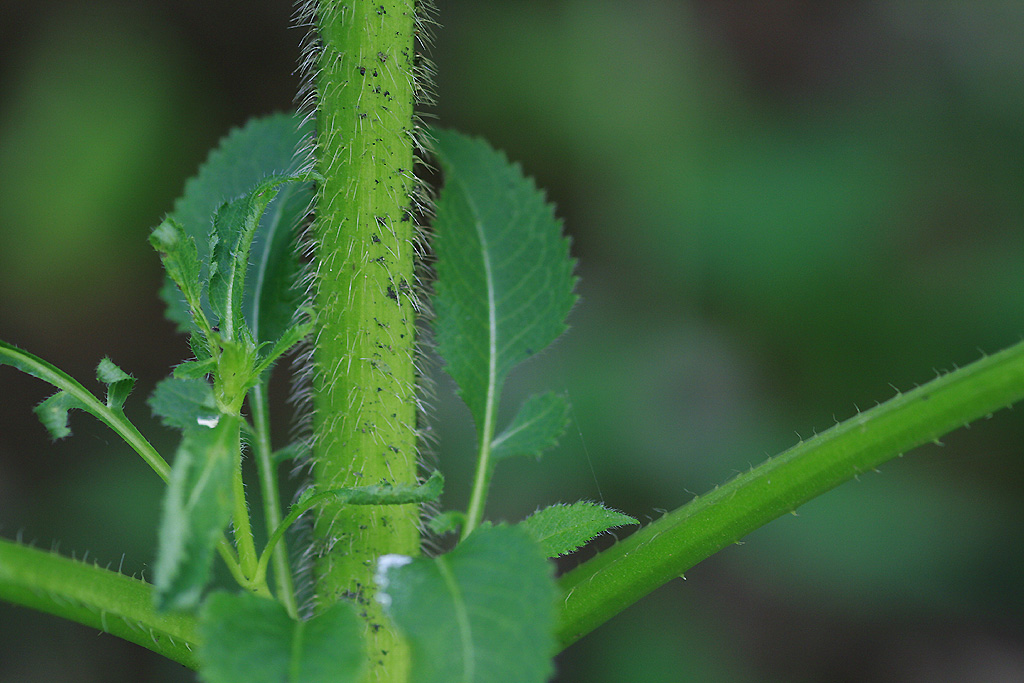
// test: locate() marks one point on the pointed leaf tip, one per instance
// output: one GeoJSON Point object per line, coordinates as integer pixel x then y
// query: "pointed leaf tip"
{"type": "Point", "coordinates": [561, 529]}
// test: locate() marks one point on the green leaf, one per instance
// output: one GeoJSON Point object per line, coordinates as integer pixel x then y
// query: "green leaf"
{"type": "Point", "coordinates": [180, 258]}
{"type": "Point", "coordinates": [381, 494]}
{"type": "Point", "coordinates": [244, 637]}
{"type": "Point", "coordinates": [288, 338]}
{"type": "Point", "coordinates": [263, 147]}
{"type": "Point", "coordinates": [483, 613]}
{"type": "Point", "coordinates": [56, 411]}
{"type": "Point", "coordinates": [536, 428]}
{"type": "Point", "coordinates": [234, 228]}
{"type": "Point", "coordinates": [447, 522]}
{"type": "Point", "coordinates": [119, 383]}
{"type": "Point", "coordinates": [197, 507]}
{"type": "Point", "coordinates": [561, 529]}
{"type": "Point", "coordinates": [293, 451]}
{"type": "Point", "coordinates": [504, 275]}
{"type": "Point", "coordinates": [53, 413]}
{"type": "Point", "coordinates": [183, 403]}
{"type": "Point", "coordinates": [195, 369]}
{"type": "Point", "coordinates": [272, 295]}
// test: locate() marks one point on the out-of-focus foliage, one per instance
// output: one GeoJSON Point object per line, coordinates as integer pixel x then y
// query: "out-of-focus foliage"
{"type": "Point", "coordinates": [780, 209]}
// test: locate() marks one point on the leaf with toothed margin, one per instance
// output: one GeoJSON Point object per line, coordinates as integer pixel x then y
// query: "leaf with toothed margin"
{"type": "Point", "coordinates": [197, 508]}
{"type": "Point", "coordinates": [266, 146]}
{"type": "Point", "coordinates": [183, 403]}
{"type": "Point", "coordinates": [536, 428]}
{"type": "Point", "coordinates": [53, 413]}
{"type": "Point", "coordinates": [504, 275]}
{"type": "Point", "coordinates": [245, 637]}
{"type": "Point", "coordinates": [119, 383]}
{"type": "Point", "coordinates": [181, 264]}
{"type": "Point", "coordinates": [234, 228]}
{"type": "Point", "coordinates": [482, 613]}
{"type": "Point", "coordinates": [561, 529]}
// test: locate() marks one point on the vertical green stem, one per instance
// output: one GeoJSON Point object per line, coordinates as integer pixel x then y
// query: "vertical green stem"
{"type": "Point", "coordinates": [240, 520]}
{"type": "Point", "coordinates": [364, 384]}
{"type": "Point", "coordinates": [482, 477]}
{"type": "Point", "coordinates": [267, 469]}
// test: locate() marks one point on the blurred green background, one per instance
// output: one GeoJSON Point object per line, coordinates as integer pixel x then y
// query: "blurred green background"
{"type": "Point", "coordinates": [782, 210]}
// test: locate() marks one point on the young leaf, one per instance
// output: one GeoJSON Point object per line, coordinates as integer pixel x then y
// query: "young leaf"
{"type": "Point", "coordinates": [263, 147]}
{"type": "Point", "coordinates": [561, 529]}
{"type": "Point", "coordinates": [272, 295]}
{"type": "Point", "coordinates": [181, 262]}
{"type": "Point", "coordinates": [447, 522]}
{"type": "Point", "coordinates": [197, 507]}
{"type": "Point", "coordinates": [183, 403]}
{"type": "Point", "coordinates": [234, 228]}
{"type": "Point", "coordinates": [482, 613]}
{"type": "Point", "coordinates": [53, 412]}
{"type": "Point", "coordinates": [195, 369]}
{"type": "Point", "coordinates": [119, 383]}
{"type": "Point", "coordinates": [288, 338]}
{"type": "Point", "coordinates": [504, 275]}
{"type": "Point", "coordinates": [248, 638]}
{"type": "Point", "coordinates": [536, 428]}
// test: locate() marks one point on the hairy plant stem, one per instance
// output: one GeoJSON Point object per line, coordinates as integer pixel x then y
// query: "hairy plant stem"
{"type": "Point", "coordinates": [97, 597]}
{"type": "Point", "coordinates": [364, 381]}
{"type": "Point", "coordinates": [605, 585]}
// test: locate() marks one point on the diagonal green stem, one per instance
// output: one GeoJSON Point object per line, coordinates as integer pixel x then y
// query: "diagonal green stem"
{"type": "Point", "coordinates": [95, 597]}
{"type": "Point", "coordinates": [37, 367]}
{"type": "Point", "coordinates": [604, 586]}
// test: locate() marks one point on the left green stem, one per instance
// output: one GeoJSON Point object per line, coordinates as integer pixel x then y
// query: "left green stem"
{"type": "Point", "coordinates": [96, 597]}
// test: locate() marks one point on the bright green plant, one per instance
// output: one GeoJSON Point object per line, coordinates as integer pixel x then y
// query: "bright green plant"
{"type": "Point", "coordinates": [489, 609]}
